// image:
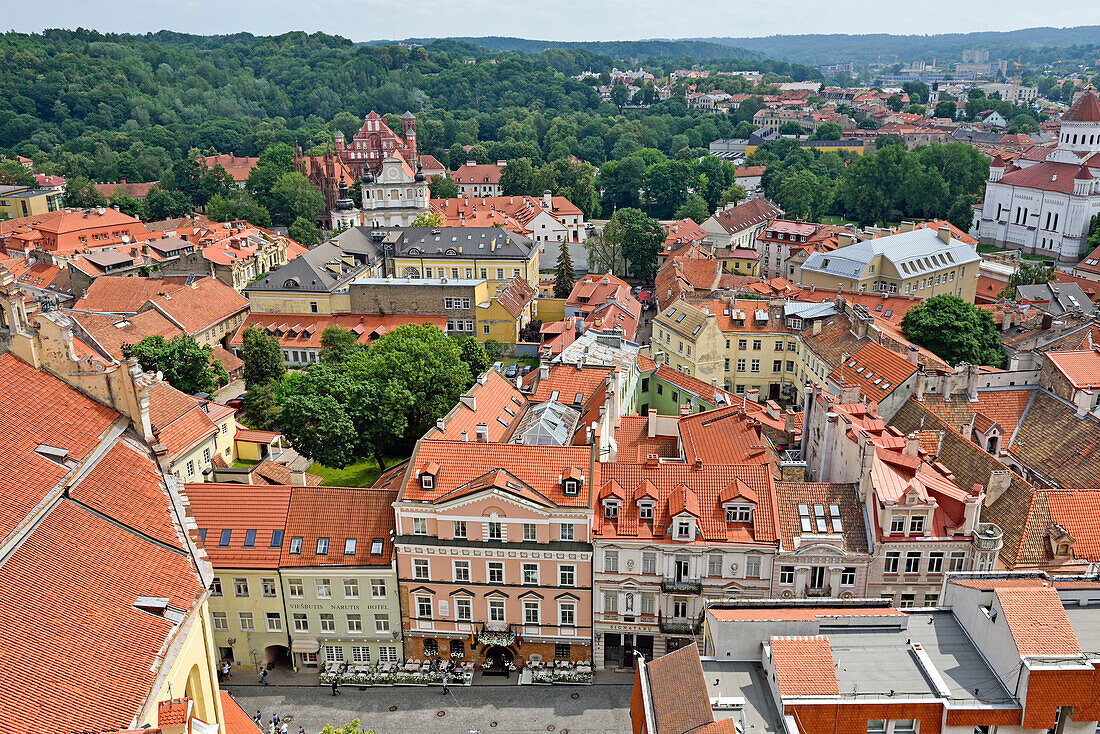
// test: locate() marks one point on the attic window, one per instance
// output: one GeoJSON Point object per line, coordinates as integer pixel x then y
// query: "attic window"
{"type": "Point", "coordinates": [804, 518]}
{"type": "Point", "coordinates": [250, 539]}
{"type": "Point", "coordinates": [671, 312]}
{"type": "Point", "coordinates": [322, 546]}
{"type": "Point", "coordinates": [578, 398]}
{"type": "Point", "coordinates": [276, 538]}
{"type": "Point", "coordinates": [680, 317]}
{"type": "Point", "coordinates": [53, 453]}
{"type": "Point", "coordinates": [645, 510]}
{"type": "Point", "coordinates": [570, 487]}
{"type": "Point", "coordinates": [696, 329]}
{"type": "Point", "coordinates": [349, 547]}
{"type": "Point", "coordinates": [223, 542]}
{"type": "Point", "coordinates": [611, 509]}
{"type": "Point", "coordinates": [819, 513]}
{"type": "Point", "coordinates": [834, 514]}
{"type": "Point", "coordinates": [202, 535]}
{"type": "Point", "coordinates": [295, 546]}
{"type": "Point", "coordinates": [376, 547]}
{"type": "Point", "coordinates": [739, 513]}
{"type": "Point", "coordinates": [427, 481]}
{"type": "Point", "coordinates": [554, 396]}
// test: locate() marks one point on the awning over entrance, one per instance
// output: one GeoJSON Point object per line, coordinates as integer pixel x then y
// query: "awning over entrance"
{"type": "Point", "coordinates": [305, 644]}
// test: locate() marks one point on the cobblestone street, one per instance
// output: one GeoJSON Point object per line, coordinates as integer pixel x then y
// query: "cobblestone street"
{"type": "Point", "coordinates": [598, 709]}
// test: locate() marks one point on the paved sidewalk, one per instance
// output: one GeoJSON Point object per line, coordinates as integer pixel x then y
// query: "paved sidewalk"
{"type": "Point", "coordinates": [281, 677]}
{"type": "Point", "coordinates": [509, 709]}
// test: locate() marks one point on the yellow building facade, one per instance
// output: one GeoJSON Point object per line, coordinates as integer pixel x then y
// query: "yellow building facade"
{"type": "Point", "coordinates": [25, 201]}
{"type": "Point", "coordinates": [247, 616]}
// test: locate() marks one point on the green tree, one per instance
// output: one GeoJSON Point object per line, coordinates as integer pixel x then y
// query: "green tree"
{"type": "Point", "coordinates": [473, 354]}
{"type": "Point", "coordinates": [946, 108]}
{"type": "Point", "coordinates": [695, 209]}
{"type": "Point", "coordinates": [622, 182]}
{"type": "Point", "coordinates": [564, 275]}
{"type": "Point", "coordinates": [339, 344]}
{"type": "Point", "coordinates": [639, 238]}
{"type": "Point", "coordinates": [961, 213]}
{"type": "Point", "coordinates": [238, 204]}
{"type": "Point", "coordinates": [294, 196]}
{"type": "Point", "coordinates": [442, 187]}
{"type": "Point", "coordinates": [519, 179]}
{"type": "Point", "coordinates": [829, 131]}
{"type": "Point", "coordinates": [127, 204]}
{"type": "Point", "coordinates": [791, 128]}
{"type": "Point", "coordinates": [428, 219]}
{"type": "Point", "coordinates": [305, 232]}
{"type": "Point", "coordinates": [186, 365]}
{"type": "Point", "coordinates": [733, 194]}
{"type": "Point", "coordinates": [955, 330]}
{"type": "Point", "coordinates": [666, 186]}
{"type": "Point", "coordinates": [605, 255]}
{"type": "Point", "coordinates": [13, 173]}
{"type": "Point", "coordinates": [318, 426]}
{"type": "Point", "coordinates": [163, 204]}
{"type": "Point", "coordinates": [80, 194]}
{"type": "Point", "coordinates": [620, 95]}
{"type": "Point", "coordinates": [802, 195]}
{"type": "Point", "coordinates": [263, 358]}
{"type": "Point", "coordinates": [894, 102]}
{"type": "Point", "coordinates": [261, 409]}
{"type": "Point", "coordinates": [1027, 274]}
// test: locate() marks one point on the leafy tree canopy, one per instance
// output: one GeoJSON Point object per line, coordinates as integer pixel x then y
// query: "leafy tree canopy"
{"type": "Point", "coordinates": [186, 365]}
{"type": "Point", "coordinates": [955, 330]}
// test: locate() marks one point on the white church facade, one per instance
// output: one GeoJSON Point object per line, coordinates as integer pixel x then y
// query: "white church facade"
{"type": "Point", "coordinates": [1043, 204]}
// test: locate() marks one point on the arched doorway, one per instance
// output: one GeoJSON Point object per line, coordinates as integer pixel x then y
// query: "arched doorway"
{"type": "Point", "coordinates": [497, 661]}
{"type": "Point", "coordinates": [196, 692]}
{"type": "Point", "coordinates": [277, 656]}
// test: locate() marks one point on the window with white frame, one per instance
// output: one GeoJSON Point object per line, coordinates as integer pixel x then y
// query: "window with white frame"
{"type": "Point", "coordinates": [496, 610]}
{"type": "Point", "coordinates": [334, 654]}
{"type": "Point", "coordinates": [610, 602]}
{"type": "Point", "coordinates": [463, 609]}
{"type": "Point", "coordinates": [916, 524]}
{"type": "Point", "coordinates": [216, 587]}
{"type": "Point", "coordinates": [244, 619]}
{"type": "Point", "coordinates": [387, 654]}
{"type": "Point", "coordinates": [611, 561]}
{"type": "Point", "coordinates": [530, 612]}
{"type": "Point", "coordinates": [530, 574]}
{"type": "Point", "coordinates": [269, 588]}
{"type": "Point", "coordinates": [351, 588]}
{"type": "Point", "coordinates": [378, 588]}
{"type": "Point", "coordinates": [649, 562]}
{"type": "Point", "coordinates": [495, 531]}
{"type": "Point", "coordinates": [786, 575]}
{"type": "Point", "coordinates": [460, 528]}
{"type": "Point", "coordinates": [891, 562]}
{"type": "Point", "coordinates": [645, 511]}
{"type": "Point", "coordinates": [420, 569]}
{"type": "Point", "coordinates": [611, 509]}
{"type": "Point", "coordinates": [567, 531]}
{"type": "Point", "coordinates": [360, 654]}
{"type": "Point", "coordinates": [462, 570]}
{"type": "Point", "coordinates": [714, 565]}
{"type": "Point", "coordinates": [274, 622]}
{"type": "Point", "coordinates": [752, 567]}
{"type": "Point", "coordinates": [912, 562]}
{"type": "Point", "coordinates": [958, 560]}
{"type": "Point", "coordinates": [739, 513]}
{"type": "Point", "coordinates": [328, 622]}
{"type": "Point", "coordinates": [496, 572]}
{"type": "Point", "coordinates": [897, 523]}
{"type": "Point", "coordinates": [301, 623]}
{"type": "Point", "coordinates": [323, 588]}
{"type": "Point", "coordinates": [935, 562]}
{"type": "Point", "coordinates": [355, 624]}
{"type": "Point", "coordinates": [529, 532]}
{"type": "Point", "coordinates": [420, 526]}
{"type": "Point", "coordinates": [567, 575]}
{"type": "Point", "coordinates": [567, 613]}
{"type": "Point", "coordinates": [424, 607]}
{"type": "Point", "coordinates": [848, 576]}
{"type": "Point", "coordinates": [683, 529]}
{"type": "Point", "coordinates": [381, 624]}
{"type": "Point", "coordinates": [240, 587]}
{"type": "Point", "coordinates": [221, 620]}
{"type": "Point", "coordinates": [647, 603]}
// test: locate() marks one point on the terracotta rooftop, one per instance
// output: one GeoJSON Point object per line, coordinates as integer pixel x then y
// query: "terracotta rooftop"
{"type": "Point", "coordinates": [204, 303]}
{"type": "Point", "coordinates": [743, 216]}
{"type": "Point", "coordinates": [1038, 621]}
{"type": "Point", "coordinates": [1081, 369]}
{"type": "Point", "coordinates": [118, 294]}
{"type": "Point", "coordinates": [804, 666]}
{"type": "Point", "coordinates": [679, 694]}
{"type": "Point", "coordinates": [824, 501]}
{"type": "Point", "coordinates": [242, 525]}
{"type": "Point", "coordinates": [497, 404]}
{"type": "Point", "coordinates": [1085, 109]}
{"type": "Point", "coordinates": [357, 525]}
{"type": "Point", "coordinates": [876, 370]}
{"type": "Point", "coordinates": [298, 331]}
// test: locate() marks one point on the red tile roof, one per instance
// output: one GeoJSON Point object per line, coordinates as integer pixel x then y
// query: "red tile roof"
{"type": "Point", "coordinates": [1078, 511]}
{"type": "Point", "coordinates": [236, 166]}
{"type": "Point", "coordinates": [804, 666]}
{"type": "Point", "coordinates": [484, 173]}
{"type": "Point", "coordinates": [203, 304]}
{"type": "Point", "coordinates": [1038, 621]}
{"type": "Point", "coordinates": [876, 370]}
{"type": "Point", "coordinates": [1085, 109]}
{"type": "Point", "coordinates": [1048, 176]}
{"type": "Point", "coordinates": [178, 419]}
{"type": "Point", "coordinates": [497, 403]}
{"type": "Point", "coordinates": [135, 190]}
{"type": "Point", "coordinates": [118, 294]}
{"type": "Point", "coordinates": [298, 331]}
{"type": "Point", "coordinates": [240, 508]}
{"type": "Point", "coordinates": [516, 296]}
{"type": "Point", "coordinates": [801, 614]}
{"type": "Point", "coordinates": [37, 408]}
{"type": "Point", "coordinates": [465, 467]}
{"type": "Point", "coordinates": [339, 514]}
{"type": "Point", "coordinates": [789, 495]}
{"type": "Point", "coordinates": [235, 719]}
{"type": "Point", "coordinates": [568, 381]}
{"type": "Point", "coordinates": [112, 332]}
{"type": "Point", "coordinates": [697, 490]}
{"type": "Point", "coordinates": [1081, 369]}
{"type": "Point", "coordinates": [722, 436]}
{"type": "Point", "coordinates": [680, 697]}
{"type": "Point", "coordinates": [74, 581]}
{"type": "Point", "coordinates": [743, 216]}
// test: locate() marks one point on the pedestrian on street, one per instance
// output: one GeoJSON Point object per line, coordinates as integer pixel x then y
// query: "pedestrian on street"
{"type": "Point", "coordinates": [444, 667]}
{"type": "Point", "coordinates": [282, 728]}
{"type": "Point", "coordinates": [336, 686]}
{"type": "Point", "coordinates": [271, 727]}
{"type": "Point", "coordinates": [301, 730]}
{"type": "Point", "coordinates": [227, 671]}
{"type": "Point", "coordinates": [263, 679]}
{"type": "Point", "coordinates": [259, 719]}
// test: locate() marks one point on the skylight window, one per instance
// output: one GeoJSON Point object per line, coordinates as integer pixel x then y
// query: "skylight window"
{"type": "Point", "coordinates": [322, 546]}
{"type": "Point", "coordinates": [276, 538]}
{"type": "Point", "coordinates": [889, 313]}
{"type": "Point", "coordinates": [202, 535]}
{"type": "Point", "coordinates": [250, 539]}
{"type": "Point", "coordinates": [819, 515]}
{"type": "Point", "coordinates": [696, 329]}
{"type": "Point", "coordinates": [554, 395]}
{"type": "Point", "coordinates": [886, 385]}
{"type": "Point", "coordinates": [295, 546]}
{"type": "Point", "coordinates": [672, 312]}
{"type": "Point", "coordinates": [680, 317]}
{"type": "Point", "coordinates": [376, 547]}
{"type": "Point", "coordinates": [349, 547]}
{"type": "Point", "coordinates": [578, 398]}
{"type": "Point", "coordinates": [804, 517]}
{"type": "Point", "coordinates": [834, 512]}
{"type": "Point", "coordinates": [223, 542]}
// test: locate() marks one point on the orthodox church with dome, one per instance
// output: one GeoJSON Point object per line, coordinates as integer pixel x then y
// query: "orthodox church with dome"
{"type": "Point", "coordinates": [1043, 201]}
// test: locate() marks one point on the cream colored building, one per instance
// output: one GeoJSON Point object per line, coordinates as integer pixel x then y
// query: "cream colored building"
{"type": "Point", "coordinates": [923, 263]}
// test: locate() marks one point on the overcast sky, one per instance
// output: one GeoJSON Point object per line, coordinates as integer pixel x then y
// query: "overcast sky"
{"type": "Point", "coordinates": [571, 20]}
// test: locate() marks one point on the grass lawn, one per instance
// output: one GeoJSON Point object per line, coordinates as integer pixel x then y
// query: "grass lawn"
{"type": "Point", "coordinates": [244, 464]}
{"type": "Point", "coordinates": [360, 474]}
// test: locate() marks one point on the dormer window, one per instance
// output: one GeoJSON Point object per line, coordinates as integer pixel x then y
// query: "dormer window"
{"type": "Point", "coordinates": [427, 481]}
{"type": "Point", "coordinates": [897, 524]}
{"type": "Point", "coordinates": [916, 524]}
{"type": "Point", "coordinates": [611, 509]}
{"type": "Point", "coordinates": [683, 529]}
{"type": "Point", "coordinates": [645, 510]}
{"type": "Point", "coordinates": [739, 513]}
{"type": "Point", "coordinates": [570, 487]}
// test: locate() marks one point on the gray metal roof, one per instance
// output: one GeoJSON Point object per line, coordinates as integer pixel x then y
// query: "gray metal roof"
{"type": "Point", "coordinates": [323, 269]}
{"type": "Point", "coordinates": [912, 253]}
{"type": "Point", "coordinates": [809, 309]}
{"type": "Point", "coordinates": [1062, 296]}
{"type": "Point", "coordinates": [477, 242]}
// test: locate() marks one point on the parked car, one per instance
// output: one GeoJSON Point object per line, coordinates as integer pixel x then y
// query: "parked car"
{"type": "Point", "coordinates": [513, 370]}
{"type": "Point", "coordinates": [498, 366]}
{"type": "Point", "coordinates": [235, 403]}
{"type": "Point", "coordinates": [527, 369]}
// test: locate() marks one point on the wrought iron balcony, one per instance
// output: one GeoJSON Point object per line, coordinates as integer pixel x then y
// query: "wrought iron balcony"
{"type": "Point", "coordinates": [682, 586]}
{"type": "Point", "coordinates": [674, 625]}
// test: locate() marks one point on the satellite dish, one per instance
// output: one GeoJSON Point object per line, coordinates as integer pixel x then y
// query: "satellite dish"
{"type": "Point", "coordinates": [125, 238]}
